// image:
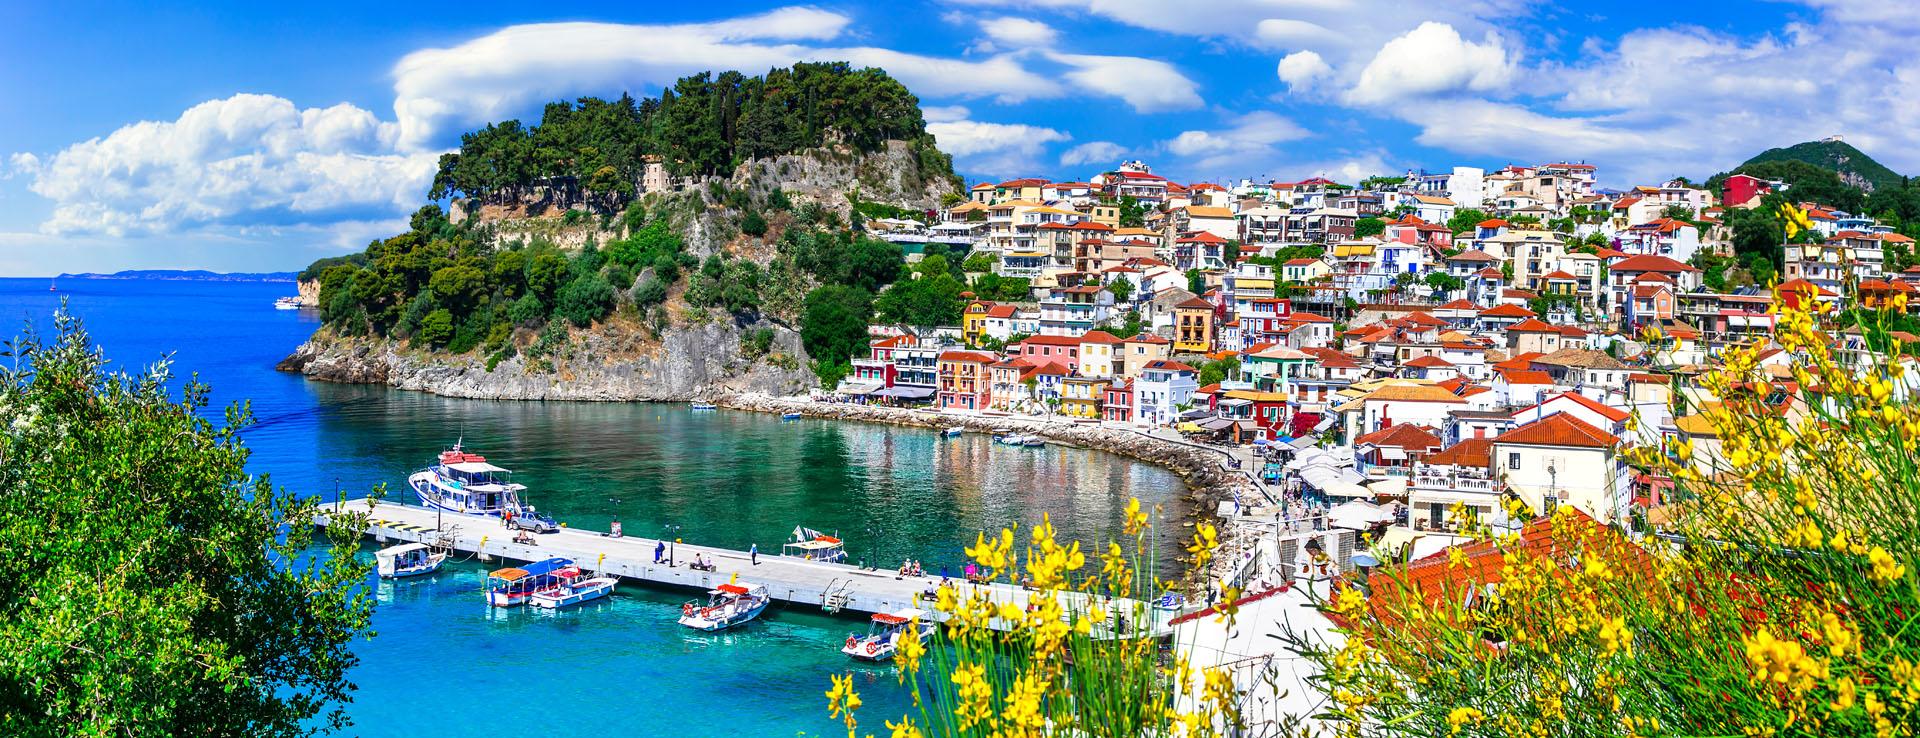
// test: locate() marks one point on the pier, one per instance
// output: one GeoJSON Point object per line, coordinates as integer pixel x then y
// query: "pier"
{"type": "Point", "coordinates": [830, 587]}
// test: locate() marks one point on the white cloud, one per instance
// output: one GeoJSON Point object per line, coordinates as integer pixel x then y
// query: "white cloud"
{"type": "Point", "coordinates": [1018, 32]}
{"type": "Point", "coordinates": [247, 161]}
{"type": "Point", "coordinates": [1250, 138]}
{"type": "Point", "coordinates": [1148, 85]}
{"type": "Point", "coordinates": [995, 149]}
{"type": "Point", "coordinates": [1302, 69]}
{"type": "Point", "coordinates": [944, 113]}
{"type": "Point", "coordinates": [514, 68]}
{"type": "Point", "coordinates": [1432, 59]}
{"type": "Point", "coordinates": [1092, 152]}
{"type": "Point", "coordinates": [1289, 32]}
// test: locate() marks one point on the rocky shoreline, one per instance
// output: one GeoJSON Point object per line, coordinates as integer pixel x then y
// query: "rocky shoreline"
{"type": "Point", "coordinates": [1208, 481]}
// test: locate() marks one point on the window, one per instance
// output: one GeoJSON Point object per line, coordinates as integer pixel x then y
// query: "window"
{"type": "Point", "coordinates": [1513, 460]}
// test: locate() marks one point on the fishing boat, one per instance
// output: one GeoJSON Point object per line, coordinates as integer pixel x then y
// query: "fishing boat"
{"type": "Point", "coordinates": [515, 585]}
{"type": "Point", "coordinates": [884, 633]}
{"type": "Point", "coordinates": [728, 605]}
{"type": "Point", "coordinates": [789, 416]}
{"type": "Point", "coordinates": [813, 545]}
{"type": "Point", "coordinates": [466, 484]}
{"type": "Point", "coordinates": [701, 407]}
{"type": "Point", "coordinates": [407, 560]}
{"type": "Point", "coordinates": [953, 432]}
{"type": "Point", "coordinates": [287, 303]}
{"type": "Point", "coordinates": [575, 592]}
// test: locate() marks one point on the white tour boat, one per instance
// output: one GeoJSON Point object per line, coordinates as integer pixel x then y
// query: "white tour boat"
{"type": "Point", "coordinates": [727, 605]}
{"type": "Point", "coordinates": [884, 633]}
{"type": "Point", "coordinates": [813, 545]}
{"type": "Point", "coordinates": [407, 560]}
{"type": "Point", "coordinates": [574, 592]}
{"type": "Point", "coordinates": [287, 303]}
{"type": "Point", "coordinates": [465, 483]}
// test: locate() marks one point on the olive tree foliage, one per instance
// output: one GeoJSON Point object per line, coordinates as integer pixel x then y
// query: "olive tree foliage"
{"type": "Point", "coordinates": [149, 585]}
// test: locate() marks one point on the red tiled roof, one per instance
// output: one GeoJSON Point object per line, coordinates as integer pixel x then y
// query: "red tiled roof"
{"type": "Point", "coordinates": [1525, 376]}
{"type": "Point", "coordinates": [1606, 411]}
{"type": "Point", "coordinates": [1001, 311]}
{"type": "Point", "coordinates": [1559, 429]}
{"type": "Point", "coordinates": [1099, 337]}
{"type": "Point", "coordinates": [1651, 263]}
{"type": "Point", "coordinates": [1428, 362]}
{"type": "Point", "coordinates": [1404, 435]}
{"type": "Point", "coordinates": [1169, 365]}
{"type": "Point", "coordinates": [1532, 325]}
{"type": "Point", "coordinates": [1506, 311]}
{"type": "Point", "coordinates": [1468, 452]}
{"type": "Point", "coordinates": [969, 356]}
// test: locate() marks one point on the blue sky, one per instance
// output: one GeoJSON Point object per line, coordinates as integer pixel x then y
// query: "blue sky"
{"type": "Point", "coordinates": [243, 136]}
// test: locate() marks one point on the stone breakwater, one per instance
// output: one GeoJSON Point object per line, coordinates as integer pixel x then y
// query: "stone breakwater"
{"type": "Point", "coordinates": [1208, 480]}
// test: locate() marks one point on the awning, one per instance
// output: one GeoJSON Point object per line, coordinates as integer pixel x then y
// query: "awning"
{"type": "Point", "coordinates": [905, 393]}
{"type": "Point", "coordinates": [1235, 402]}
{"type": "Point", "coordinates": [1390, 487]}
{"type": "Point", "coordinates": [1214, 424]}
{"type": "Point", "coordinates": [857, 388]}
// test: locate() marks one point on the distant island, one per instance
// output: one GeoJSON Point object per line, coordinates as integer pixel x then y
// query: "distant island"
{"type": "Point", "coordinates": [188, 275]}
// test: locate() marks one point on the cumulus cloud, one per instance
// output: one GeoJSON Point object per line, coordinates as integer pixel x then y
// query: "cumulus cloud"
{"type": "Point", "coordinates": [944, 113]}
{"type": "Point", "coordinates": [995, 149]}
{"type": "Point", "coordinates": [1148, 85]}
{"type": "Point", "coordinates": [1092, 152]}
{"type": "Point", "coordinates": [509, 70]}
{"type": "Point", "coordinates": [247, 160]}
{"type": "Point", "coordinates": [1302, 69]}
{"type": "Point", "coordinates": [1018, 32]}
{"type": "Point", "coordinates": [1430, 59]}
{"type": "Point", "coordinates": [1251, 137]}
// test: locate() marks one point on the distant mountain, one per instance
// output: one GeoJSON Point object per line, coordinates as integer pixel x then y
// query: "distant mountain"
{"type": "Point", "coordinates": [188, 275]}
{"type": "Point", "coordinates": [1855, 168]}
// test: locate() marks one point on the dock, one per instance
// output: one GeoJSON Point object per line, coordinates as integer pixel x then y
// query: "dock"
{"type": "Point", "coordinates": [834, 588]}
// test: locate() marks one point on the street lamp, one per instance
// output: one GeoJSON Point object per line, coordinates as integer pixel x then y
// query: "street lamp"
{"type": "Point", "coordinates": [673, 534]}
{"type": "Point", "coordinates": [613, 528]}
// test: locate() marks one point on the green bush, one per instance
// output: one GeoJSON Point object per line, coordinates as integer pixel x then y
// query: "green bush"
{"type": "Point", "coordinates": [527, 311]}
{"type": "Point", "coordinates": [436, 328]}
{"type": "Point", "coordinates": [651, 291]}
{"type": "Point", "coordinates": [753, 225]}
{"type": "Point", "coordinates": [585, 300]}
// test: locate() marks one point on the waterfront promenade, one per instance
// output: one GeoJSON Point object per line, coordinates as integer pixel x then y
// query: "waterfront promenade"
{"type": "Point", "coordinates": [792, 582]}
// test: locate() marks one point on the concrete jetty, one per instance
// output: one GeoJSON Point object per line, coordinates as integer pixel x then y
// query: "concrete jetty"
{"type": "Point", "coordinates": [831, 587]}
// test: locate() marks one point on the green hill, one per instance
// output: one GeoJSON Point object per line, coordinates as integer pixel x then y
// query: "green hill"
{"type": "Point", "coordinates": [1854, 167]}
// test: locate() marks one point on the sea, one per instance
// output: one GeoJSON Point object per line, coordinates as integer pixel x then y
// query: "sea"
{"type": "Point", "coordinates": [442, 663]}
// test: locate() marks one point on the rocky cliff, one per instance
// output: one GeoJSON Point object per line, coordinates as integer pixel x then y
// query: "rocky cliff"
{"type": "Point", "coordinates": [309, 292]}
{"type": "Point", "coordinates": [612, 362]}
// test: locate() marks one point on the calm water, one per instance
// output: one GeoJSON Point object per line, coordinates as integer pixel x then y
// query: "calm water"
{"type": "Point", "coordinates": [444, 664]}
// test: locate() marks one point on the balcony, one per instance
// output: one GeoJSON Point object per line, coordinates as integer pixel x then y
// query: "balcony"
{"type": "Point", "coordinates": [1457, 483]}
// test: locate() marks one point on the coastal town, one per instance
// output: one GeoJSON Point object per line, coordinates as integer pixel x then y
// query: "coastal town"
{"type": "Point", "coordinates": [1428, 341]}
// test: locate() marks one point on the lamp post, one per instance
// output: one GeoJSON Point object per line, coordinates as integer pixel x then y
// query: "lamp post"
{"type": "Point", "coordinates": [673, 535]}
{"type": "Point", "coordinates": [613, 528]}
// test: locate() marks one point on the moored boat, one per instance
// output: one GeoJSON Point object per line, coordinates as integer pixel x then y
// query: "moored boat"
{"type": "Point", "coordinates": [953, 432]}
{"type": "Point", "coordinates": [466, 484]}
{"type": "Point", "coordinates": [813, 545]}
{"type": "Point", "coordinates": [407, 560]}
{"type": "Point", "coordinates": [1033, 441]}
{"type": "Point", "coordinates": [790, 416]}
{"type": "Point", "coordinates": [515, 585]}
{"type": "Point", "coordinates": [574, 592]}
{"type": "Point", "coordinates": [884, 632]}
{"type": "Point", "coordinates": [728, 605]}
{"type": "Point", "coordinates": [287, 303]}
{"type": "Point", "coordinates": [704, 407]}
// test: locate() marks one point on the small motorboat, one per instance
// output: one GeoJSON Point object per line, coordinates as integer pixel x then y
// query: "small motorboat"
{"type": "Point", "coordinates": [701, 407]}
{"type": "Point", "coordinates": [515, 585]}
{"type": "Point", "coordinates": [813, 545]}
{"type": "Point", "coordinates": [953, 432]}
{"type": "Point", "coordinates": [1011, 439]}
{"type": "Point", "coordinates": [789, 416]}
{"type": "Point", "coordinates": [407, 560]}
{"type": "Point", "coordinates": [1033, 441]}
{"type": "Point", "coordinates": [728, 605]}
{"type": "Point", "coordinates": [575, 592]}
{"type": "Point", "coordinates": [287, 303]}
{"type": "Point", "coordinates": [884, 633]}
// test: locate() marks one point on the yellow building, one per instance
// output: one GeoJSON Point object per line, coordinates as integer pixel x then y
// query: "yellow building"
{"type": "Point", "coordinates": [973, 321]}
{"type": "Point", "coordinates": [1193, 327]}
{"type": "Point", "coordinates": [1081, 397]}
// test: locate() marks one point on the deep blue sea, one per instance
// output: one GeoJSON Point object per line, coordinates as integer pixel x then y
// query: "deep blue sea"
{"type": "Point", "coordinates": [444, 664]}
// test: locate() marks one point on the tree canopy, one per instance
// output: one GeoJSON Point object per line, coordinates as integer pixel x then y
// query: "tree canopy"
{"type": "Point", "coordinates": [594, 150]}
{"type": "Point", "coordinates": [151, 585]}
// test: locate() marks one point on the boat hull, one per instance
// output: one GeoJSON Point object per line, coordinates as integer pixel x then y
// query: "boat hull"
{"type": "Point", "coordinates": [577, 594]}
{"type": "Point", "coordinates": [701, 623]}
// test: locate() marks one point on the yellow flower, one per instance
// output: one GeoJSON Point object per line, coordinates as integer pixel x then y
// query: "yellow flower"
{"type": "Point", "coordinates": [1843, 695]}
{"type": "Point", "coordinates": [1205, 540]}
{"type": "Point", "coordinates": [1461, 717]}
{"type": "Point", "coordinates": [842, 701]}
{"type": "Point", "coordinates": [1134, 521]}
{"type": "Point", "coordinates": [973, 693]}
{"type": "Point", "coordinates": [904, 728]}
{"type": "Point", "coordinates": [1885, 567]}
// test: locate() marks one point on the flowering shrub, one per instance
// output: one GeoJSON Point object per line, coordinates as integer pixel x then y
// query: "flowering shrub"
{"type": "Point", "coordinates": [1076, 656]}
{"type": "Point", "coordinates": [1779, 601]}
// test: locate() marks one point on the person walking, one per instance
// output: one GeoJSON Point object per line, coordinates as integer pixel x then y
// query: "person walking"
{"type": "Point", "coordinates": [753, 553]}
{"type": "Point", "coordinates": [659, 550]}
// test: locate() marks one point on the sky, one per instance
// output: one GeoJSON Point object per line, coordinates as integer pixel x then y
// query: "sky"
{"type": "Point", "coordinates": [260, 136]}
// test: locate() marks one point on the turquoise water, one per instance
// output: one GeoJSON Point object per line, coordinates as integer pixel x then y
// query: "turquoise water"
{"type": "Point", "coordinates": [445, 664]}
